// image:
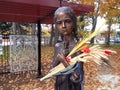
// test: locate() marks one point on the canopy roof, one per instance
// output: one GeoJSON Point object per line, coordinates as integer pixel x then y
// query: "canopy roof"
{"type": "Point", "coordinates": [30, 11]}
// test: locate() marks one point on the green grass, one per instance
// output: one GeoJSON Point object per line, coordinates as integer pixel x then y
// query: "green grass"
{"type": "Point", "coordinates": [114, 46]}
{"type": "Point", "coordinates": [5, 53]}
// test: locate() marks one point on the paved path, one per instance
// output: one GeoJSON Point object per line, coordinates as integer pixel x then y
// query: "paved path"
{"type": "Point", "coordinates": [110, 81]}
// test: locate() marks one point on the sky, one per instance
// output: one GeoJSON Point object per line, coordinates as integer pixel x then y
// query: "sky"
{"type": "Point", "coordinates": [100, 24]}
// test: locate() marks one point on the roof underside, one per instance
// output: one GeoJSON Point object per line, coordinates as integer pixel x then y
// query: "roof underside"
{"type": "Point", "coordinates": [30, 11]}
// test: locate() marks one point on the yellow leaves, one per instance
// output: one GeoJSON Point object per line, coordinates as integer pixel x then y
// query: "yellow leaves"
{"type": "Point", "coordinates": [110, 8]}
{"type": "Point", "coordinates": [106, 7]}
{"type": "Point", "coordinates": [91, 70]}
{"type": "Point", "coordinates": [46, 34]}
{"type": "Point", "coordinates": [81, 23]}
{"type": "Point", "coordinates": [83, 33]}
{"type": "Point", "coordinates": [86, 2]}
{"type": "Point", "coordinates": [6, 32]}
{"type": "Point", "coordinates": [11, 81]}
{"type": "Point", "coordinates": [113, 12]}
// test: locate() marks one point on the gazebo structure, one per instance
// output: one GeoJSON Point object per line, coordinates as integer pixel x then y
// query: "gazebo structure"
{"type": "Point", "coordinates": [36, 11]}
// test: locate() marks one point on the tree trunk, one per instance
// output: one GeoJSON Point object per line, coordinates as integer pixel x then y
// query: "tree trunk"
{"type": "Point", "coordinates": [94, 18]}
{"type": "Point", "coordinates": [14, 27]}
{"type": "Point", "coordinates": [52, 35]}
{"type": "Point", "coordinates": [81, 19]}
{"type": "Point", "coordinates": [34, 29]}
{"type": "Point", "coordinates": [56, 36]}
{"type": "Point", "coordinates": [108, 34]}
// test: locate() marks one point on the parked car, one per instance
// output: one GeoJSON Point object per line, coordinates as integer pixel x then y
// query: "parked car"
{"type": "Point", "coordinates": [117, 41]}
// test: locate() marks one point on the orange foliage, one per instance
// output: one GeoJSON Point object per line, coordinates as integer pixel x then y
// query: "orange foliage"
{"type": "Point", "coordinates": [108, 7]}
{"type": "Point", "coordinates": [91, 2]}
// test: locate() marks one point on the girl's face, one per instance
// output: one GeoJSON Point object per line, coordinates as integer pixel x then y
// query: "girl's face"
{"type": "Point", "coordinates": [64, 24]}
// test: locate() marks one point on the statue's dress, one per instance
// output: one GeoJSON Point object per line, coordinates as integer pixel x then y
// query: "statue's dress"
{"type": "Point", "coordinates": [64, 81]}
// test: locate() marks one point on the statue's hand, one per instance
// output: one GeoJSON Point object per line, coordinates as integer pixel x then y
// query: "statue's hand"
{"type": "Point", "coordinates": [76, 76]}
{"type": "Point", "coordinates": [62, 59]}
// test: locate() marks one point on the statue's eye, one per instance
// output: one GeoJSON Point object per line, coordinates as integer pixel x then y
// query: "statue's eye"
{"type": "Point", "coordinates": [58, 22]}
{"type": "Point", "coordinates": [68, 21]}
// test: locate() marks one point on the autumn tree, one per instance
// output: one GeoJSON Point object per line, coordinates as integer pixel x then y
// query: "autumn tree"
{"type": "Point", "coordinates": [109, 10]}
{"type": "Point", "coordinates": [5, 27]}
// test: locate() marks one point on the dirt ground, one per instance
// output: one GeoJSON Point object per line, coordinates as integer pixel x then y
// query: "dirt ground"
{"type": "Point", "coordinates": [29, 81]}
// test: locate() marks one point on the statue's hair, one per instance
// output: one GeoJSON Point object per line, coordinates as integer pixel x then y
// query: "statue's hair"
{"type": "Point", "coordinates": [69, 11]}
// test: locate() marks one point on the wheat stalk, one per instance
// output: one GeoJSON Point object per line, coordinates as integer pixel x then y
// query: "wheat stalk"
{"type": "Point", "coordinates": [79, 44]}
{"type": "Point", "coordinates": [96, 55]}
